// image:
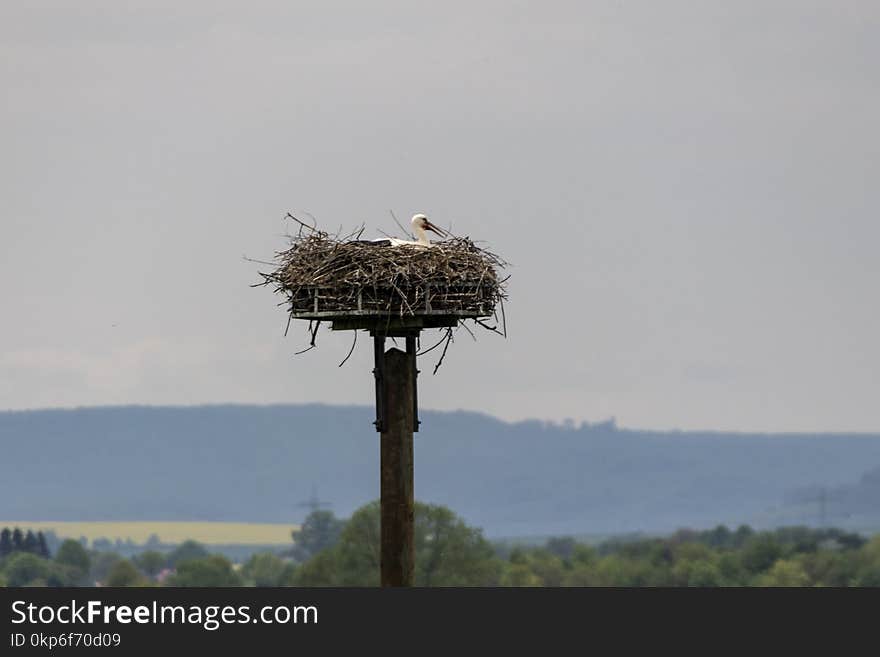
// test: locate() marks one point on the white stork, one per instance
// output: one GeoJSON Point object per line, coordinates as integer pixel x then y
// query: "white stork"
{"type": "Point", "coordinates": [420, 225]}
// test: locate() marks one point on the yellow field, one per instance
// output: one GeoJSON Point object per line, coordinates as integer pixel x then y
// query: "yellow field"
{"type": "Point", "coordinates": [168, 532]}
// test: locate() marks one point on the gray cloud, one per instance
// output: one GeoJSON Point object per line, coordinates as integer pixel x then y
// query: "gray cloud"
{"type": "Point", "coordinates": [684, 188]}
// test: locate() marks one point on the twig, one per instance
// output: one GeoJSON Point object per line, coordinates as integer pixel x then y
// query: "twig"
{"type": "Point", "coordinates": [494, 329]}
{"type": "Point", "coordinates": [350, 351]}
{"type": "Point", "coordinates": [259, 262]}
{"type": "Point", "coordinates": [399, 225]}
{"type": "Point", "coordinates": [314, 332]}
{"type": "Point", "coordinates": [312, 217]}
{"type": "Point", "coordinates": [432, 348]}
{"type": "Point", "coordinates": [304, 225]}
{"type": "Point", "coordinates": [445, 347]}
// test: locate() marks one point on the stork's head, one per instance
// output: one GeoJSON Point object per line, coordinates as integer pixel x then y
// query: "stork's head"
{"type": "Point", "coordinates": [420, 223]}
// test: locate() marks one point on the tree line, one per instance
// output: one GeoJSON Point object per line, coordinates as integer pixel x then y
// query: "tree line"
{"type": "Point", "coordinates": [330, 551]}
{"type": "Point", "coordinates": [14, 540]}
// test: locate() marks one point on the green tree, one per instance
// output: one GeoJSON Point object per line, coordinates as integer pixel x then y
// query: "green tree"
{"type": "Point", "coordinates": [732, 571]}
{"type": "Point", "coordinates": [868, 577]}
{"type": "Point", "coordinates": [213, 570]}
{"type": "Point", "coordinates": [618, 570]}
{"type": "Point", "coordinates": [448, 552]}
{"type": "Point", "coordinates": [42, 547]}
{"type": "Point", "coordinates": [17, 540]}
{"type": "Point", "coordinates": [321, 570]}
{"type": "Point", "coordinates": [742, 534]}
{"type": "Point", "coordinates": [319, 531]}
{"type": "Point", "coordinates": [5, 542]}
{"type": "Point", "coordinates": [867, 564]}
{"type": "Point", "coordinates": [359, 548]}
{"type": "Point", "coordinates": [581, 575]}
{"type": "Point", "coordinates": [697, 572]}
{"type": "Point", "coordinates": [30, 543]}
{"type": "Point", "coordinates": [719, 537]}
{"type": "Point", "coordinates": [831, 568]}
{"type": "Point", "coordinates": [25, 569]}
{"type": "Point", "coordinates": [582, 566]}
{"type": "Point", "coordinates": [186, 551]}
{"type": "Point", "coordinates": [760, 552]}
{"type": "Point", "coordinates": [102, 564]}
{"type": "Point", "coordinates": [124, 573]}
{"type": "Point", "coordinates": [73, 555]}
{"type": "Point", "coordinates": [520, 574]}
{"type": "Point", "coordinates": [267, 569]}
{"type": "Point", "coordinates": [150, 563]}
{"type": "Point", "coordinates": [871, 550]}
{"type": "Point", "coordinates": [785, 572]}
{"type": "Point", "coordinates": [584, 555]}
{"type": "Point", "coordinates": [548, 568]}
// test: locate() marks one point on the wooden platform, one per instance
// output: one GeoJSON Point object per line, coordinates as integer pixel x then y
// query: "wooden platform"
{"type": "Point", "coordinates": [392, 325]}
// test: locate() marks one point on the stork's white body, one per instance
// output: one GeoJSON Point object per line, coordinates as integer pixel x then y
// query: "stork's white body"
{"type": "Point", "coordinates": [420, 226]}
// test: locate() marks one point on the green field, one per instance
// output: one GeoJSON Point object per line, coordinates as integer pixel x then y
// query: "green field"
{"type": "Point", "coordinates": [210, 533]}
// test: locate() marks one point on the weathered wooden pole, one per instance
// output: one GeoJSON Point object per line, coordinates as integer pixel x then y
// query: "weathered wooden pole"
{"type": "Point", "coordinates": [396, 421]}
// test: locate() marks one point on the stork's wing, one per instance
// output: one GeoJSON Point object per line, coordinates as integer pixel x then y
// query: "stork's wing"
{"type": "Point", "coordinates": [382, 241]}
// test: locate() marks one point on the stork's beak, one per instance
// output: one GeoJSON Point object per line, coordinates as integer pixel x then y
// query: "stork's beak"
{"type": "Point", "coordinates": [434, 229]}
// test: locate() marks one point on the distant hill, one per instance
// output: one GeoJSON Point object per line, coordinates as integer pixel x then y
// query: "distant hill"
{"type": "Point", "coordinates": [856, 504]}
{"type": "Point", "coordinates": [258, 463]}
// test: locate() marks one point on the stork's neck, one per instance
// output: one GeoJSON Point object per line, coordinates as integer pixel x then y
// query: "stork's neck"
{"type": "Point", "coordinates": [421, 236]}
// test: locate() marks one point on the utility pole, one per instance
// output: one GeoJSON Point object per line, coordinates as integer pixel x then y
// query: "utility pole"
{"type": "Point", "coordinates": [396, 422]}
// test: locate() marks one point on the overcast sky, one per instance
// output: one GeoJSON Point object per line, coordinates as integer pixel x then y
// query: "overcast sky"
{"type": "Point", "coordinates": [688, 191]}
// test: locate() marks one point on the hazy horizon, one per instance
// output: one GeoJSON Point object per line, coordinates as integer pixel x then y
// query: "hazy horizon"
{"type": "Point", "coordinates": [557, 423]}
{"type": "Point", "coordinates": [255, 464]}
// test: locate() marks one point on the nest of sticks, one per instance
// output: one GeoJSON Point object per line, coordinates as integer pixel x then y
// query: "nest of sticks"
{"type": "Point", "coordinates": [325, 277]}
